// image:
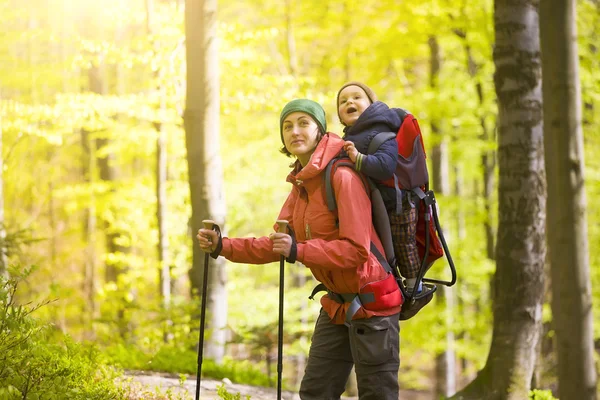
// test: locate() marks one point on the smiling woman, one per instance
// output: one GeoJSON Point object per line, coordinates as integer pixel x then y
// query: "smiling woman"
{"type": "Point", "coordinates": [302, 125]}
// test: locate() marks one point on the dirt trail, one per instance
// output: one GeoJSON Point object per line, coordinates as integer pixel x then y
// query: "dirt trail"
{"type": "Point", "coordinates": [209, 388]}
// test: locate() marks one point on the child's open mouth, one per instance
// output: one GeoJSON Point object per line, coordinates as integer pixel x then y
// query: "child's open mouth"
{"type": "Point", "coordinates": [351, 110]}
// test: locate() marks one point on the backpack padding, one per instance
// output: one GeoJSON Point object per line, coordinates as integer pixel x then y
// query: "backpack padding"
{"type": "Point", "coordinates": [381, 221]}
{"type": "Point", "coordinates": [409, 132]}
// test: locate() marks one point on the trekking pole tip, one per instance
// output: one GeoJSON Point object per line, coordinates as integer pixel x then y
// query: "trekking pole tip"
{"type": "Point", "coordinates": [283, 223]}
{"type": "Point", "coordinates": [208, 223]}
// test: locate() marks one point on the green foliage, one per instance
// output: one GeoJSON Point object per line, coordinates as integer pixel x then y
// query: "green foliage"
{"type": "Point", "coordinates": [32, 367]}
{"type": "Point", "coordinates": [224, 394]}
{"type": "Point", "coordinates": [537, 394]}
{"type": "Point", "coordinates": [177, 359]}
{"type": "Point", "coordinates": [48, 49]}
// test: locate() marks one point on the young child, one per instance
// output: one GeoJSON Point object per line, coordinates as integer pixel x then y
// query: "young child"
{"type": "Point", "coordinates": [363, 117]}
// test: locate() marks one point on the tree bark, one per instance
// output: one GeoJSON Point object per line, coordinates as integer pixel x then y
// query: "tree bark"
{"type": "Point", "coordinates": [567, 236]}
{"type": "Point", "coordinates": [518, 281]}
{"type": "Point", "coordinates": [201, 119]}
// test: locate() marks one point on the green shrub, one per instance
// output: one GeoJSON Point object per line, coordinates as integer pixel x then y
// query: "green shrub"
{"type": "Point", "coordinates": [224, 394]}
{"type": "Point", "coordinates": [31, 367]}
{"type": "Point", "coordinates": [537, 394]}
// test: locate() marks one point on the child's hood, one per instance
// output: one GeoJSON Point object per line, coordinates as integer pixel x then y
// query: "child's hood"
{"type": "Point", "coordinates": [377, 117]}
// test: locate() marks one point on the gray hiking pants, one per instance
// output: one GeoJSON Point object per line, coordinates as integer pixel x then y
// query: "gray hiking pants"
{"type": "Point", "coordinates": [371, 345]}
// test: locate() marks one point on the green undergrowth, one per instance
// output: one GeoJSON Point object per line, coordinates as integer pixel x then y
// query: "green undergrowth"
{"type": "Point", "coordinates": [175, 359]}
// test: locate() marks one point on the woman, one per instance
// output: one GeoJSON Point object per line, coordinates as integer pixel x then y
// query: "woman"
{"type": "Point", "coordinates": [358, 322]}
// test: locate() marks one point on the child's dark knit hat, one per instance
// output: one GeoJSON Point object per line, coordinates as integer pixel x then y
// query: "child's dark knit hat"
{"type": "Point", "coordinates": [370, 94]}
{"type": "Point", "coordinates": [307, 106]}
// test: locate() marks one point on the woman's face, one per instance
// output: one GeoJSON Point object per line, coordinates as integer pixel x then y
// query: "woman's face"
{"type": "Point", "coordinates": [300, 135]}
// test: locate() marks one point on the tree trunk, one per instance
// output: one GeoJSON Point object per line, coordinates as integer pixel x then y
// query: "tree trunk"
{"type": "Point", "coordinates": [444, 369]}
{"type": "Point", "coordinates": [164, 262]}
{"type": "Point", "coordinates": [89, 235]}
{"type": "Point", "coordinates": [518, 281]}
{"type": "Point", "coordinates": [201, 120]}
{"type": "Point", "coordinates": [3, 257]}
{"type": "Point", "coordinates": [109, 173]}
{"type": "Point", "coordinates": [567, 236]}
{"type": "Point", "coordinates": [488, 159]}
{"type": "Point", "coordinates": [439, 151]}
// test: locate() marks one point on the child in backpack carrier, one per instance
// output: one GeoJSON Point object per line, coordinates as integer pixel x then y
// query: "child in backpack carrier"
{"type": "Point", "coordinates": [364, 117]}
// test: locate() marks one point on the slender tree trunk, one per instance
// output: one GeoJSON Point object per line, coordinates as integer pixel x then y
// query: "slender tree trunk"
{"type": "Point", "coordinates": [201, 120]}
{"type": "Point", "coordinates": [89, 269]}
{"type": "Point", "coordinates": [518, 281]}
{"type": "Point", "coordinates": [114, 266]}
{"type": "Point", "coordinates": [3, 256]}
{"type": "Point", "coordinates": [488, 159]}
{"type": "Point", "coordinates": [445, 382]}
{"type": "Point", "coordinates": [567, 235]}
{"type": "Point", "coordinates": [164, 262]}
{"type": "Point", "coordinates": [439, 149]}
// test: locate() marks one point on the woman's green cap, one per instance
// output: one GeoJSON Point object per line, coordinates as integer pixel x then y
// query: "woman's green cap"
{"type": "Point", "coordinates": [307, 106]}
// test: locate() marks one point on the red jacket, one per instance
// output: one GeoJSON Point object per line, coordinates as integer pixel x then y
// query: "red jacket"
{"type": "Point", "coordinates": [338, 256]}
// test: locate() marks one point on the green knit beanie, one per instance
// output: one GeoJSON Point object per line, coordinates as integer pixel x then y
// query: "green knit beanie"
{"type": "Point", "coordinates": [309, 107]}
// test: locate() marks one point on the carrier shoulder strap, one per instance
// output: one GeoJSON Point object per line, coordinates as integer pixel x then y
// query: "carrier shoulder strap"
{"type": "Point", "coordinates": [378, 140]}
{"type": "Point", "coordinates": [379, 213]}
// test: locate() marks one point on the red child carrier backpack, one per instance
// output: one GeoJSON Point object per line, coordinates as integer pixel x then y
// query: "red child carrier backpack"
{"type": "Point", "coordinates": [410, 175]}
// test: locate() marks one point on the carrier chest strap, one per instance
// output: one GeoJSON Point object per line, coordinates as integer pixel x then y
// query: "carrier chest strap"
{"type": "Point", "coordinates": [356, 300]}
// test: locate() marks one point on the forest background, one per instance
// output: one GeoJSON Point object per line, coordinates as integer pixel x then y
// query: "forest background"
{"type": "Point", "coordinates": [96, 189]}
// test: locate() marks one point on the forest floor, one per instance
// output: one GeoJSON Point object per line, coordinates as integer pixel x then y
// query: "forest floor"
{"type": "Point", "coordinates": [162, 382]}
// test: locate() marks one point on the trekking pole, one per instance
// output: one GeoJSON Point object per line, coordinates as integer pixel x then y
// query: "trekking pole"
{"type": "Point", "coordinates": [282, 228]}
{"type": "Point", "coordinates": [208, 224]}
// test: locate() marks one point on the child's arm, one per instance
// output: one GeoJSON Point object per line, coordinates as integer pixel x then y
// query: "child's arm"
{"type": "Point", "coordinates": [380, 165]}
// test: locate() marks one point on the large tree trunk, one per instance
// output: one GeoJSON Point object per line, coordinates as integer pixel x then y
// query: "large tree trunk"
{"type": "Point", "coordinates": [518, 281]}
{"type": "Point", "coordinates": [299, 274]}
{"type": "Point", "coordinates": [567, 236]}
{"type": "Point", "coordinates": [201, 120]}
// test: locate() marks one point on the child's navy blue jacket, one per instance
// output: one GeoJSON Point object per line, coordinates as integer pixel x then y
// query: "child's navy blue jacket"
{"type": "Point", "coordinates": [380, 166]}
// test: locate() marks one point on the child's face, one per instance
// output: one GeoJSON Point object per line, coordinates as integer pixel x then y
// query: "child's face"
{"type": "Point", "coordinates": [353, 100]}
{"type": "Point", "coordinates": [300, 135]}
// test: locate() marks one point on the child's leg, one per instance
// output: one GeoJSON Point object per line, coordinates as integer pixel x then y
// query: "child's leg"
{"type": "Point", "coordinates": [404, 229]}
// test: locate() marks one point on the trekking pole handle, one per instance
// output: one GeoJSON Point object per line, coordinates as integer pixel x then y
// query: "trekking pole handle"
{"type": "Point", "coordinates": [208, 224]}
{"type": "Point", "coordinates": [283, 223]}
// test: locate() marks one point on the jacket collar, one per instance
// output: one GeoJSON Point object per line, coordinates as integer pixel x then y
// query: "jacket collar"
{"type": "Point", "coordinates": [328, 148]}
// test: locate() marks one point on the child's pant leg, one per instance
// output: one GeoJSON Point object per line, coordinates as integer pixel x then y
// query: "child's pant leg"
{"type": "Point", "coordinates": [404, 229]}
